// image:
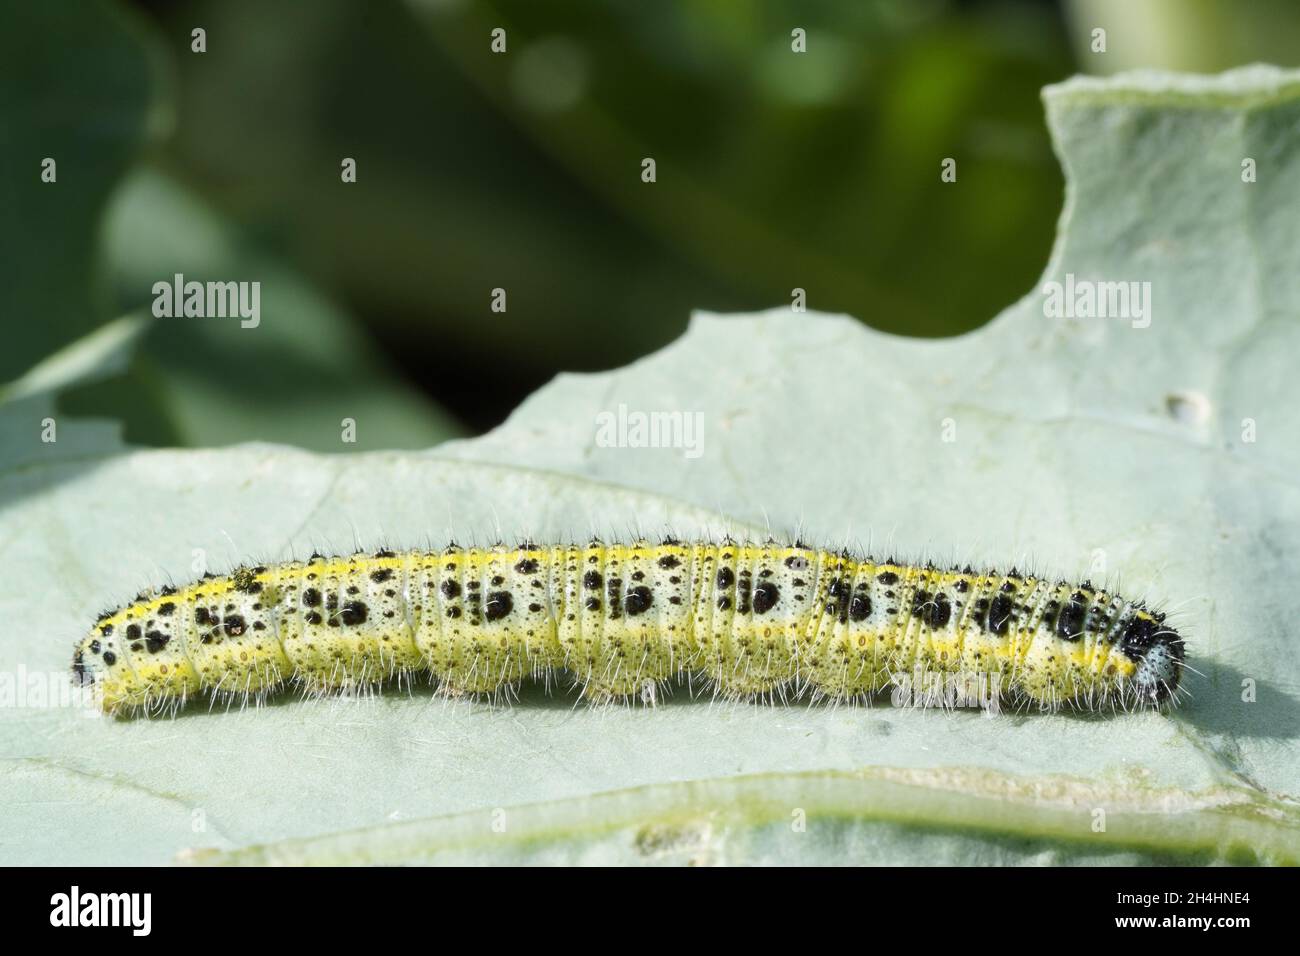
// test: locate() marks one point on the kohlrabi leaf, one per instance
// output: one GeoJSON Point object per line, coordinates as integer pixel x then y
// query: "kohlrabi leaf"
{"type": "Point", "coordinates": [1157, 451]}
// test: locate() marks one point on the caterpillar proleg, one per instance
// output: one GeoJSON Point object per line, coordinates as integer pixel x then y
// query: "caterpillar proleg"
{"type": "Point", "coordinates": [754, 619]}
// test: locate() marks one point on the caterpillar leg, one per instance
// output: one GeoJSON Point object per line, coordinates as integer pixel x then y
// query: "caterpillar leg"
{"type": "Point", "coordinates": [465, 664]}
{"type": "Point", "coordinates": [843, 669]}
{"type": "Point", "coordinates": [754, 663]}
{"type": "Point", "coordinates": [474, 666]}
{"type": "Point", "coordinates": [624, 664]}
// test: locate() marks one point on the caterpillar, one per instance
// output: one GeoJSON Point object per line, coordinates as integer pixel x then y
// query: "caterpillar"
{"type": "Point", "coordinates": [754, 619]}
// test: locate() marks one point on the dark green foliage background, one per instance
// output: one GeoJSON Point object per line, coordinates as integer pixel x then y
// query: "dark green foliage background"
{"type": "Point", "coordinates": [775, 170]}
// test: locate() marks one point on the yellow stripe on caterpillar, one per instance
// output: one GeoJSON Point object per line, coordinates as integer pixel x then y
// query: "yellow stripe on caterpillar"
{"type": "Point", "coordinates": [755, 619]}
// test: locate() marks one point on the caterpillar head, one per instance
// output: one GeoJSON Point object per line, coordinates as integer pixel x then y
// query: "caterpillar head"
{"type": "Point", "coordinates": [1158, 652]}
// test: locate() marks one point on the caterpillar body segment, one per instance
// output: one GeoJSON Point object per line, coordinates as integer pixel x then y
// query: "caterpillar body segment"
{"type": "Point", "coordinates": [754, 620]}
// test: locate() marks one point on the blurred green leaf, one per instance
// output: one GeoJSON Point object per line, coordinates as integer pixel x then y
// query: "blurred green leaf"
{"type": "Point", "coordinates": [30, 430]}
{"type": "Point", "coordinates": [105, 351]}
{"type": "Point", "coordinates": [293, 378]}
{"type": "Point", "coordinates": [521, 171]}
{"type": "Point", "coordinates": [1196, 36]}
{"type": "Point", "coordinates": [87, 91]}
{"type": "Point", "coordinates": [81, 88]}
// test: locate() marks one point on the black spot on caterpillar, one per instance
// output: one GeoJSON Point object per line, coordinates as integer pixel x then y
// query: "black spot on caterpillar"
{"type": "Point", "coordinates": [755, 619]}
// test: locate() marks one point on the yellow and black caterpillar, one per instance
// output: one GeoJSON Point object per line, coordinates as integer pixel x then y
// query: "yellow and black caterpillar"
{"type": "Point", "coordinates": [755, 619]}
